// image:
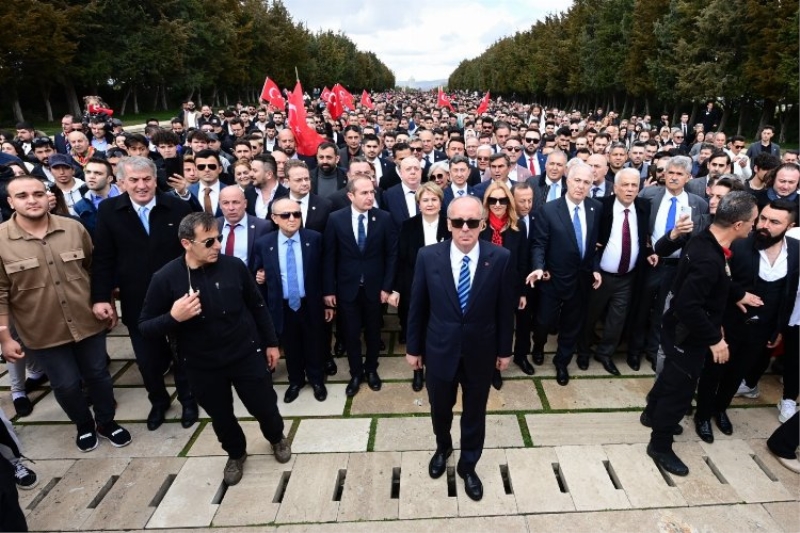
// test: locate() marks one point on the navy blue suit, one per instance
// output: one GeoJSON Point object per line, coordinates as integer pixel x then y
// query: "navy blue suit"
{"type": "Point", "coordinates": [449, 196]}
{"type": "Point", "coordinates": [300, 331]}
{"type": "Point", "coordinates": [460, 347]}
{"type": "Point", "coordinates": [394, 201]}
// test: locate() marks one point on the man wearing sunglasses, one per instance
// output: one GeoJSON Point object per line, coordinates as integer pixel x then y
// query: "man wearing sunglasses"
{"type": "Point", "coordinates": [136, 234]}
{"type": "Point", "coordinates": [513, 149]}
{"type": "Point", "coordinates": [461, 318]}
{"type": "Point", "coordinates": [224, 335]}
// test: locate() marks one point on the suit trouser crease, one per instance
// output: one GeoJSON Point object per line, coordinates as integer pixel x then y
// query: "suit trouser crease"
{"type": "Point", "coordinates": [153, 357]}
{"type": "Point", "coordinates": [301, 345]}
{"type": "Point", "coordinates": [357, 314]}
{"type": "Point", "coordinates": [569, 314]}
{"type": "Point", "coordinates": [613, 296]}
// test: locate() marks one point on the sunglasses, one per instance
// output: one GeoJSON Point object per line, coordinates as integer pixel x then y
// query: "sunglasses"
{"type": "Point", "coordinates": [660, 169]}
{"type": "Point", "coordinates": [514, 148]}
{"type": "Point", "coordinates": [498, 201]}
{"type": "Point", "coordinates": [482, 158]}
{"type": "Point", "coordinates": [289, 214]}
{"type": "Point", "coordinates": [208, 243]}
{"type": "Point", "coordinates": [438, 176]}
{"type": "Point", "coordinates": [531, 140]}
{"type": "Point", "coordinates": [574, 129]}
{"type": "Point", "coordinates": [738, 146]}
{"type": "Point", "coordinates": [416, 148]}
{"type": "Point", "coordinates": [471, 223]}
{"type": "Point", "coordinates": [209, 166]}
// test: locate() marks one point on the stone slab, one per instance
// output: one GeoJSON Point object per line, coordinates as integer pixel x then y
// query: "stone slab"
{"type": "Point", "coordinates": [640, 478]}
{"type": "Point", "coordinates": [734, 460]}
{"type": "Point", "coordinates": [188, 502]}
{"type": "Point", "coordinates": [207, 443]}
{"type": "Point", "coordinates": [421, 496]}
{"type": "Point", "coordinates": [252, 500]}
{"type": "Point", "coordinates": [306, 404]}
{"type": "Point", "coordinates": [57, 441]}
{"type": "Point", "coordinates": [119, 345]}
{"type": "Point", "coordinates": [633, 521]}
{"type": "Point", "coordinates": [786, 514]}
{"type": "Point", "coordinates": [131, 377]}
{"type": "Point", "coordinates": [548, 369]}
{"type": "Point", "coordinates": [7, 404]}
{"type": "Point", "coordinates": [367, 491]}
{"type": "Point", "coordinates": [516, 395]}
{"type": "Point", "coordinates": [600, 393]}
{"type": "Point", "coordinates": [129, 501]}
{"type": "Point", "coordinates": [495, 500]}
{"type": "Point", "coordinates": [495, 524]}
{"type": "Point", "coordinates": [132, 404]}
{"type": "Point", "coordinates": [534, 481]}
{"type": "Point", "coordinates": [562, 429]}
{"type": "Point", "coordinates": [416, 433]}
{"type": "Point", "coordinates": [66, 507]}
{"type": "Point", "coordinates": [46, 472]}
{"type": "Point", "coordinates": [701, 486]}
{"type": "Point", "coordinates": [310, 493]}
{"type": "Point", "coordinates": [321, 435]}
{"type": "Point", "coordinates": [790, 480]}
{"type": "Point", "coordinates": [587, 480]}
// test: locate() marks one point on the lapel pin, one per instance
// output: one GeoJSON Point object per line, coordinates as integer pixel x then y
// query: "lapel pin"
{"type": "Point", "coordinates": [252, 226]}
{"type": "Point", "coordinates": [313, 207]}
{"type": "Point", "coordinates": [170, 224]}
{"type": "Point", "coordinates": [270, 248]}
{"type": "Point", "coordinates": [486, 264]}
{"type": "Point", "coordinates": [373, 219]}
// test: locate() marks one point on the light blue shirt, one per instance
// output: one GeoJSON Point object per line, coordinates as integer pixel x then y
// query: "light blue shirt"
{"type": "Point", "coordinates": [240, 243]}
{"type": "Point", "coordinates": [298, 261]}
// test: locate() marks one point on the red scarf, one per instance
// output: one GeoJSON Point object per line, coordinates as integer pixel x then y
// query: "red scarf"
{"type": "Point", "coordinates": [498, 225]}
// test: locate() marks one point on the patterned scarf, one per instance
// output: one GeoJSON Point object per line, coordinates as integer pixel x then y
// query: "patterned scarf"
{"type": "Point", "coordinates": [498, 224]}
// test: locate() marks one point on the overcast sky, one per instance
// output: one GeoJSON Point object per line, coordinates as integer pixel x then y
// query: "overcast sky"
{"type": "Point", "coordinates": [421, 39]}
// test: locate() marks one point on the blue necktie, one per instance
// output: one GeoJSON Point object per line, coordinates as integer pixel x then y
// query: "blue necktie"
{"type": "Point", "coordinates": [552, 195]}
{"type": "Point", "coordinates": [291, 277]}
{"type": "Point", "coordinates": [673, 210]}
{"type": "Point", "coordinates": [143, 217]}
{"type": "Point", "coordinates": [362, 232]}
{"type": "Point", "coordinates": [595, 190]}
{"type": "Point", "coordinates": [463, 284]}
{"type": "Point", "coordinates": [576, 223]}
{"type": "Point", "coordinates": [461, 192]}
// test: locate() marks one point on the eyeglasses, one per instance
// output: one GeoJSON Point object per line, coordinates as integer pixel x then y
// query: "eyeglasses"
{"type": "Point", "coordinates": [471, 223]}
{"type": "Point", "coordinates": [576, 129]}
{"type": "Point", "coordinates": [660, 169]}
{"type": "Point", "coordinates": [38, 142]}
{"type": "Point", "coordinates": [416, 148]}
{"type": "Point", "coordinates": [289, 214]}
{"type": "Point", "coordinates": [208, 243]}
{"type": "Point", "coordinates": [679, 136]}
{"type": "Point", "coordinates": [209, 166]}
{"type": "Point", "coordinates": [514, 148]}
{"type": "Point", "coordinates": [531, 140]}
{"type": "Point", "coordinates": [482, 158]}
{"type": "Point", "coordinates": [498, 201]}
{"type": "Point", "coordinates": [738, 146]}
{"type": "Point", "coordinates": [439, 176]}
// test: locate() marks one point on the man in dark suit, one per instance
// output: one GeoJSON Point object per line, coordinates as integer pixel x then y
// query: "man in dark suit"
{"type": "Point", "coordinates": [205, 192]}
{"type": "Point", "coordinates": [461, 321]}
{"type": "Point", "coordinates": [265, 186]}
{"type": "Point", "coordinates": [315, 208]}
{"type": "Point", "coordinates": [564, 244]}
{"type": "Point", "coordinates": [238, 229]}
{"type": "Point", "coordinates": [624, 247]}
{"type": "Point", "coordinates": [360, 248]}
{"type": "Point", "coordinates": [459, 173]}
{"type": "Point", "coordinates": [601, 186]}
{"type": "Point", "coordinates": [137, 234]}
{"type": "Point", "coordinates": [400, 200]}
{"type": "Point", "coordinates": [523, 201]}
{"type": "Point", "coordinates": [352, 148]}
{"type": "Point", "coordinates": [359, 167]}
{"type": "Point", "coordinates": [60, 140]}
{"type": "Point", "coordinates": [328, 177]}
{"type": "Point", "coordinates": [429, 154]}
{"type": "Point", "coordinates": [385, 171]}
{"type": "Point", "coordinates": [552, 184]}
{"type": "Point", "coordinates": [291, 259]}
{"type": "Point", "coordinates": [391, 177]}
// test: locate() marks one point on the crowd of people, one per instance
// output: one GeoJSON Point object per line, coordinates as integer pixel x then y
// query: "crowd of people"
{"type": "Point", "coordinates": [221, 243]}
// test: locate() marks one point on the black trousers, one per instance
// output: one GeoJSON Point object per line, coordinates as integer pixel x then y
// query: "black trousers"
{"type": "Point", "coordinates": [442, 396]}
{"type": "Point", "coordinates": [153, 357]}
{"type": "Point", "coordinates": [784, 441]}
{"type": "Point", "coordinates": [524, 325]}
{"type": "Point", "coordinates": [11, 516]}
{"type": "Point", "coordinates": [361, 313]}
{"type": "Point", "coordinates": [569, 315]}
{"type": "Point", "coordinates": [614, 297]}
{"type": "Point", "coordinates": [253, 383]}
{"type": "Point", "coordinates": [301, 344]}
{"type": "Point", "coordinates": [672, 392]}
{"type": "Point", "coordinates": [791, 366]}
{"type": "Point", "coordinates": [645, 325]}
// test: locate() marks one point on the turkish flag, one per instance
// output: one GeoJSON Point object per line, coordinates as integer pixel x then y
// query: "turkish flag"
{"type": "Point", "coordinates": [366, 101]}
{"type": "Point", "coordinates": [325, 94]}
{"type": "Point", "coordinates": [270, 93]}
{"type": "Point", "coordinates": [484, 105]}
{"type": "Point", "coordinates": [443, 100]}
{"type": "Point", "coordinates": [306, 138]}
{"type": "Point", "coordinates": [345, 98]}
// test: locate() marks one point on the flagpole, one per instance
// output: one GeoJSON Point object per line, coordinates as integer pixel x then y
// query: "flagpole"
{"type": "Point", "coordinates": [296, 75]}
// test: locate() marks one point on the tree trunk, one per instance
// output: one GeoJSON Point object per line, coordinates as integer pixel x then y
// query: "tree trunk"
{"type": "Point", "coordinates": [742, 116]}
{"type": "Point", "coordinates": [693, 116]}
{"type": "Point", "coordinates": [767, 113]}
{"type": "Point", "coordinates": [135, 101]}
{"type": "Point", "coordinates": [164, 105]}
{"type": "Point", "coordinates": [676, 114]}
{"type": "Point", "coordinates": [46, 97]}
{"type": "Point", "coordinates": [614, 101]}
{"type": "Point", "coordinates": [214, 102]}
{"type": "Point", "coordinates": [646, 106]}
{"type": "Point", "coordinates": [199, 98]}
{"type": "Point", "coordinates": [190, 95]}
{"type": "Point", "coordinates": [787, 117]}
{"type": "Point", "coordinates": [155, 99]}
{"type": "Point", "coordinates": [725, 114]}
{"type": "Point", "coordinates": [624, 113]}
{"type": "Point", "coordinates": [73, 104]}
{"type": "Point", "coordinates": [16, 107]}
{"type": "Point", "coordinates": [125, 101]}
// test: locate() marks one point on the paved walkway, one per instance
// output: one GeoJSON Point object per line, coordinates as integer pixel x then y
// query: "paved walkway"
{"type": "Point", "coordinates": [557, 459]}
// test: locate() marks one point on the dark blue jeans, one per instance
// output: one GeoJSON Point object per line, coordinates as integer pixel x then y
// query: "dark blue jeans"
{"type": "Point", "coordinates": [71, 364]}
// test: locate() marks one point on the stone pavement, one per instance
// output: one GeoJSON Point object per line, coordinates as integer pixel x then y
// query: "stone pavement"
{"type": "Point", "coordinates": [556, 459]}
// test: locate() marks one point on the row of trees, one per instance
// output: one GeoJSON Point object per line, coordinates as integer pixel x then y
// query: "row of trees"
{"type": "Point", "coordinates": [162, 51]}
{"type": "Point", "coordinates": [649, 55]}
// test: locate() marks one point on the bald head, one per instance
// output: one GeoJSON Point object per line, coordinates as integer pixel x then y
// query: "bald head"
{"type": "Point", "coordinates": [232, 204]}
{"type": "Point", "coordinates": [599, 164]}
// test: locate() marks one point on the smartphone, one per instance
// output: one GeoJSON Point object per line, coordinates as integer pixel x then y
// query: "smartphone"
{"type": "Point", "coordinates": [686, 210]}
{"type": "Point", "coordinates": [173, 165]}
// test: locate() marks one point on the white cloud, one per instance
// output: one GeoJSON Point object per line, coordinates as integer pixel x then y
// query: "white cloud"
{"type": "Point", "coordinates": [423, 40]}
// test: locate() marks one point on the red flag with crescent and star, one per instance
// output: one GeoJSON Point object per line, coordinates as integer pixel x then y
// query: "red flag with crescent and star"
{"type": "Point", "coordinates": [443, 100]}
{"type": "Point", "coordinates": [366, 101]}
{"type": "Point", "coordinates": [345, 98]}
{"type": "Point", "coordinates": [270, 93]}
{"type": "Point", "coordinates": [484, 105]}
{"type": "Point", "coordinates": [306, 138]}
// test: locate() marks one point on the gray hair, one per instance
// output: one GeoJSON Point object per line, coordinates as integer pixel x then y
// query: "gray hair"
{"type": "Point", "coordinates": [440, 165]}
{"type": "Point", "coordinates": [680, 161]}
{"type": "Point", "coordinates": [736, 206]}
{"type": "Point", "coordinates": [465, 198]}
{"type": "Point", "coordinates": [134, 163]}
{"type": "Point", "coordinates": [625, 171]}
{"type": "Point", "coordinates": [579, 166]}
{"type": "Point", "coordinates": [192, 220]}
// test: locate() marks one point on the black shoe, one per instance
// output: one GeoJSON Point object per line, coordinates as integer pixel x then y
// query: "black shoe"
{"type": "Point", "coordinates": [320, 392]}
{"type": "Point", "coordinates": [23, 406]}
{"type": "Point", "coordinates": [338, 348]}
{"type": "Point", "coordinates": [401, 337]}
{"type": "Point", "coordinates": [646, 422]}
{"type": "Point", "coordinates": [537, 357]}
{"type": "Point", "coordinates": [189, 415]}
{"type": "Point", "coordinates": [117, 435]}
{"type": "Point", "coordinates": [32, 384]}
{"type": "Point", "coordinates": [438, 463]}
{"type": "Point", "coordinates": [583, 363]}
{"type": "Point", "coordinates": [633, 362]}
{"type": "Point", "coordinates": [689, 410]}
{"type": "Point", "coordinates": [292, 393]}
{"type": "Point", "coordinates": [374, 381]}
{"type": "Point", "coordinates": [668, 461]}
{"type": "Point", "coordinates": [417, 382]}
{"type": "Point", "coordinates": [724, 423]}
{"type": "Point", "coordinates": [382, 345]}
{"type": "Point", "coordinates": [472, 486]}
{"type": "Point", "coordinates": [353, 386]}
{"type": "Point", "coordinates": [330, 366]}
{"type": "Point", "coordinates": [608, 365]}
{"type": "Point", "coordinates": [156, 417]}
{"type": "Point", "coordinates": [562, 375]}
{"type": "Point", "coordinates": [704, 431]}
{"type": "Point", "coordinates": [497, 380]}
{"type": "Point", "coordinates": [526, 367]}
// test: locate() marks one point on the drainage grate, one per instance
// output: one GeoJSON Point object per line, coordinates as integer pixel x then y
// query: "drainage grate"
{"type": "Point", "coordinates": [764, 468]}
{"type": "Point", "coordinates": [337, 491]}
{"type": "Point", "coordinates": [220, 494]}
{"type": "Point", "coordinates": [612, 475]}
{"type": "Point", "coordinates": [506, 479]}
{"type": "Point", "coordinates": [162, 491]}
{"type": "Point", "coordinates": [395, 492]}
{"type": "Point", "coordinates": [451, 482]}
{"type": "Point", "coordinates": [102, 494]}
{"type": "Point", "coordinates": [715, 470]}
{"type": "Point", "coordinates": [43, 493]}
{"type": "Point", "coordinates": [281, 490]}
{"type": "Point", "coordinates": [562, 483]}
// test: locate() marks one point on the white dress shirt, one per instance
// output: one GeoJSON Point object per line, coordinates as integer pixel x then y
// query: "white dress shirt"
{"type": "Point", "coordinates": [613, 252]}
{"type": "Point", "coordinates": [354, 220]}
{"type": "Point", "coordinates": [240, 243]}
{"type": "Point", "coordinates": [773, 271]}
{"type": "Point", "coordinates": [430, 229]}
{"type": "Point", "coordinates": [378, 170]}
{"type": "Point", "coordinates": [201, 194]}
{"type": "Point", "coordinates": [303, 206]}
{"type": "Point", "coordinates": [411, 200]}
{"type": "Point", "coordinates": [663, 212]}
{"type": "Point", "coordinates": [455, 188]}
{"type": "Point", "coordinates": [581, 216]}
{"type": "Point", "coordinates": [457, 257]}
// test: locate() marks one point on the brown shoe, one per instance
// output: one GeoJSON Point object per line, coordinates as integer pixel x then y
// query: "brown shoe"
{"type": "Point", "coordinates": [282, 451]}
{"type": "Point", "coordinates": [234, 469]}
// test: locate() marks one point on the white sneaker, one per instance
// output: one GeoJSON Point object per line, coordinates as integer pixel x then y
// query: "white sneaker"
{"type": "Point", "coordinates": [746, 392]}
{"type": "Point", "coordinates": [787, 410]}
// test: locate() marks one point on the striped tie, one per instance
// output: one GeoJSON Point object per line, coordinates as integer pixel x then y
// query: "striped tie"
{"type": "Point", "coordinates": [463, 284]}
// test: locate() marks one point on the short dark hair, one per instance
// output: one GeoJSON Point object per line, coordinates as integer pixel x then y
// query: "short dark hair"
{"type": "Point", "coordinates": [500, 155]}
{"type": "Point", "coordinates": [99, 161]}
{"type": "Point", "coordinates": [521, 186]}
{"type": "Point", "coordinates": [188, 224]}
{"type": "Point", "coordinates": [205, 154]}
{"type": "Point", "coordinates": [325, 145]}
{"type": "Point", "coordinates": [400, 146]}
{"type": "Point", "coordinates": [270, 165]}
{"type": "Point", "coordinates": [736, 206]}
{"type": "Point", "coordinates": [165, 137]}
{"type": "Point", "coordinates": [352, 128]}
{"type": "Point", "coordinates": [783, 204]}
{"type": "Point", "coordinates": [370, 137]}
{"type": "Point", "coordinates": [765, 161]}
{"type": "Point", "coordinates": [135, 138]}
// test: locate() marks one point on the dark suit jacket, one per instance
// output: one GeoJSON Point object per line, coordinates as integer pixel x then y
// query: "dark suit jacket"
{"type": "Point", "coordinates": [61, 143]}
{"type": "Point", "coordinates": [389, 176]}
{"type": "Point", "coordinates": [344, 156]}
{"type": "Point", "coordinates": [642, 208]}
{"type": "Point", "coordinates": [340, 200]}
{"type": "Point", "coordinates": [395, 203]}
{"type": "Point", "coordinates": [556, 250]}
{"type": "Point", "coordinates": [449, 196]}
{"type": "Point", "coordinates": [539, 184]}
{"type": "Point", "coordinates": [256, 228]}
{"type": "Point", "coordinates": [341, 179]}
{"type": "Point", "coordinates": [698, 186]}
{"type": "Point", "coordinates": [345, 265]}
{"type": "Point", "coordinates": [426, 164]}
{"type": "Point", "coordinates": [439, 330]}
{"type": "Point", "coordinates": [319, 209]}
{"type": "Point", "coordinates": [409, 242]}
{"type": "Point", "coordinates": [480, 189]}
{"type": "Point", "coordinates": [125, 256]}
{"type": "Point", "coordinates": [266, 257]}
{"type": "Point", "coordinates": [251, 196]}
{"type": "Point", "coordinates": [197, 203]}
{"type": "Point", "coordinates": [515, 242]}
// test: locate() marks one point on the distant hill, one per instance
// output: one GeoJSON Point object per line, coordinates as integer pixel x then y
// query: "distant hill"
{"type": "Point", "coordinates": [421, 85]}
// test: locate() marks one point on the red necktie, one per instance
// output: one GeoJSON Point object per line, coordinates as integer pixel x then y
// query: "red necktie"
{"type": "Point", "coordinates": [531, 167]}
{"type": "Point", "coordinates": [232, 240]}
{"type": "Point", "coordinates": [625, 255]}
